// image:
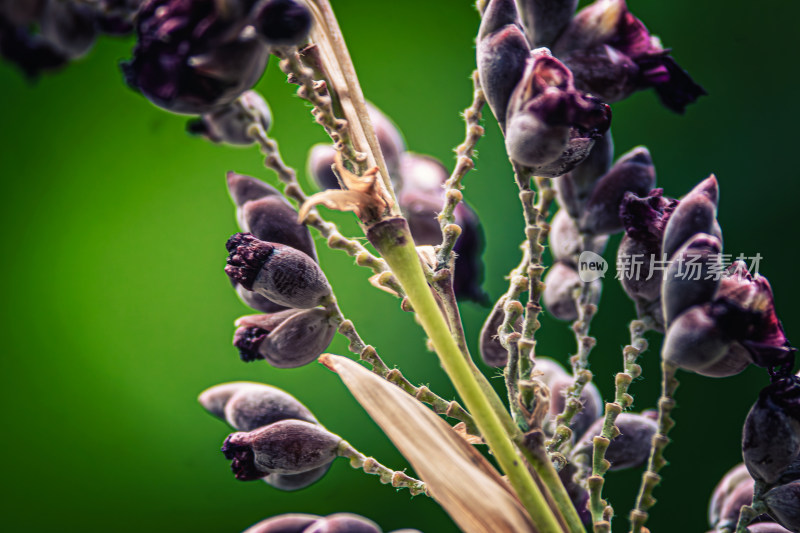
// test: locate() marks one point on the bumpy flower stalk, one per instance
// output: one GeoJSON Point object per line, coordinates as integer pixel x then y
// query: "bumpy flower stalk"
{"type": "Point", "coordinates": [329, 230]}
{"type": "Point", "coordinates": [536, 230]}
{"type": "Point", "coordinates": [748, 513]}
{"type": "Point", "coordinates": [368, 354]}
{"type": "Point", "coordinates": [601, 511]}
{"type": "Point", "coordinates": [650, 478]}
{"type": "Point", "coordinates": [316, 92]}
{"type": "Point", "coordinates": [393, 240]}
{"type": "Point", "coordinates": [464, 163]}
{"type": "Point", "coordinates": [369, 465]}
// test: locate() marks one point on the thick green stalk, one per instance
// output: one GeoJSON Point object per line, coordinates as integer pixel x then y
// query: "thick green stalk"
{"type": "Point", "coordinates": [391, 237]}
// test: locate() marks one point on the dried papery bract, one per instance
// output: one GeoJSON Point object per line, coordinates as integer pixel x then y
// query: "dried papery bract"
{"type": "Point", "coordinates": [457, 476]}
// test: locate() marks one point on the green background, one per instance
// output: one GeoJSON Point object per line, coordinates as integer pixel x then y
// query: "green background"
{"type": "Point", "coordinates": [116, 313]}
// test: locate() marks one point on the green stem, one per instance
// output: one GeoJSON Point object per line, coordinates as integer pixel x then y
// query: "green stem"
{"type": "Point", "coordinates": [392, 238]}
{"type": "Point", "coordinates": [395, 478]}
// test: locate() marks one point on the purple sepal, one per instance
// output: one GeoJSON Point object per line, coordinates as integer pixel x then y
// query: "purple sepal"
{"type": "Point", "coordinates": [247, 256]}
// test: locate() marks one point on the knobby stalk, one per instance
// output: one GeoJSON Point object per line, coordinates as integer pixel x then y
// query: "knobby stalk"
{"type": "Point", "coordinates": [601, 511]}
{"type": "Point", "coordinates": [395, 478]}
{"type": "Point", "coordinates": [650, 478]}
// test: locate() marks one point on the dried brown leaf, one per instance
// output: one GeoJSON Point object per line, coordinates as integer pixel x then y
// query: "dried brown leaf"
{"type": "Point", "coordinates": [458, 476]}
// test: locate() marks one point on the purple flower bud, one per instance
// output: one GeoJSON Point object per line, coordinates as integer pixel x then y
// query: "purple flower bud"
{"type": "Point", "coordinates": [278, 272]}
{"type": "Point", "coordinates": [696, 341]}
{"type": "Point", "coordinates": [116, 17]}
{"type": "Point", "coordinates": [783, 504]}
{"type": "Point", "coordinates": [561, 282]}
{"type": "Point", "coordinates": [613, 55]}
{"type": "Point", "coordinates": [566, 243]}
{"type": "Point", "coordinates": [577, 492]}
{"type": "Point", "coordinates": [244, 188]}
{"type": "Point", "coordinates": [230, 124]}
{"type": "Point", "coordinates": [696, 213]}
{"type": "Point", "coordinates": [575, 187]}
{"type": "Point", "coordinates": [31, 53]}
{"type": "Point", "coordinates": [633, 172]}
{"type": "Point", "coordinates": [492, 351]}
{"type": "Point", "coordinates": [283, 22]}
{"type": "Point", "coordinates": [692, 277]}
{"type": "Point", "coordinates": [293, 482]}
{"type": "Point", "coordinates": [502, 53]}
{"type": "Point", "coordinates": [192, 58]}
{"type": "Point", "coordinates": [320, 166]}
{"type": "Point", "coordinates": [551, 127]}
{"type": "Point", "coordinates": [68, 26]}
{"type": "Point", "coordinates": [724, 490]}
{"type": "Point", "coordinates": [344, 523]}
{"type": "Point", "coordinates": [285, 523]}
{"type": "Point", "coordinates": [545, 19]}
{"type": "Point", "coordinates": [288, 339]}
{"type": "Point", "coordinates": [590, 398]}
{"type": "Point", "coordinates": [256, 301]}
{"type": "Point", "coordinates": [423, 174]}
{"type": "Point", "coordinates": [630, 449]}
{"type": "Point", "coordinates": [741, 495]}
{"type": "Point", "coordinates": [247, 406]}
{"type": "Point", "coordinates": [767, 527]}
{"type": "Point", "coordinates": [273, 219]}
{"type": "Point", "coordinates": [285, 447]}
{"type": "Point", "coordinates": [771, 436]}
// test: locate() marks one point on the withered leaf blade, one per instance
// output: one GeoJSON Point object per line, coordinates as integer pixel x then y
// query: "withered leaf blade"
{"type": "Point", "coordinates": [458, 477]}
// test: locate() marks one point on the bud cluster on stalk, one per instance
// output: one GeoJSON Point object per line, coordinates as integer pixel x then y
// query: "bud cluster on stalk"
{"type": "Point", "coordinates": [274, 269]}
{"type": "Point", "coordinates": [277, 440]}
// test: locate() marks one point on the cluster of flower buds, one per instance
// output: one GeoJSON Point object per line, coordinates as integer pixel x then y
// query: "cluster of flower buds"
{"type": "Point", "coordinates": [231, 123]}
{"type": "Point", "coordinates": [67, 29]}
{"type": "Point", "coordinates": [273, 267]}
{"type": "Point", "coordinates": [590, 197]}
{"type": "Point", "coordinates": [549, 125]}
{"type": "Point", "coordinates": [195, 56]}
{"type": "Point", "coordinates": [278, 438]}
{"type": "Point", "coordinates": [307, 523]}
{"type": "Point", "coordinates": [418, 180]}
{"type": "Point", "coordinates": [609, 50]}
{"type": "Point", "coordinates": [718, 319]}
{"type": "Point", "coordinates": [782, 500]}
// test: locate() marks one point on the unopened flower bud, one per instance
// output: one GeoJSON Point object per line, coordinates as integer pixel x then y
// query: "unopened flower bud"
{"type": "Point", "coordinates": [273, 219]}
{"type": "Point", "coordinates": [575, 187]}
{"type": "Point", "coordinates": [390, 140]}
{"type": "Point", "coordinates": [630, 449]}
{"type": "Point", "coordinates": [492, 351]}
{"type": "Point", "coordinates": [285, 447]}
{"type": "Point", "coordinates": [566, 242]}
{"type": "Point", "coordinates": [633, 172]}
{"type": "Point", "coordinates": [193, 57]}
{"type": "Point", "coordinates": [545, 19]}
{"type": "Point", "coordinates": [231, 123]}
{"type": "Point", "coordinates": [278, 272]}
{"type": "Point", "coordinates": [561, 282]}
{"type": "Point", "coordinates": [771, 436]}
{"type": "Point", "coordinates": [256, 301]}
{"type": "Point", "coordinates": [69, 26]}
{"type": "Point", "coordinates": [692, 276]}
{"type": "Point", "coordinates": [344, 523]}
{"type": "Point", "coordinates": [783, 504]}
{"type": "Point", "coordinates": [736, 476]}
{"type": "Point", "coordinates": [287, 339]}
{"type": "Point", "coordinates": [696, 341]}
{"type": "Point", "coordinates": [612, 55]}
{"type": "Point", "coordinates": [245, 188]}
{"type": "Point", "coordinates": [285, 523]}
{"type": "Point", "coordinates": [293, 482]}
{"type": "Point", "coordinates": [247, 406]}
{"type": "Point", "coordinates": [741, 495]}
{"type": "Point", "coordinates": [283, 22]}
{"type": "Point", "coordinates": [320, 166]}
{"type": "Point", "coordinates": [696, 213]}
{"type": "Point", "coordinates": [767, 527]}
{"type": "Point", "coordinates": [551, 127]}
{"type": "Point", "coordinates": [502, 53]}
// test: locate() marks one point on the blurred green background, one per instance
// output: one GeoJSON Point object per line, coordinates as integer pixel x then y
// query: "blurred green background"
{"type": "Point", "coordinates": [116, 312]}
